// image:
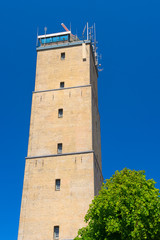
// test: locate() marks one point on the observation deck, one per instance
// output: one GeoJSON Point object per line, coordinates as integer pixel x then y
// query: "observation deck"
{"type": "Point", "coordinates": [56, 40]}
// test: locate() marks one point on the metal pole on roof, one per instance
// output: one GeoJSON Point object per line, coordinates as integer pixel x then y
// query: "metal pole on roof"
{"type": "Point", "coordinates": [95, 48]}
{"type": "Point", "coordinates": [37, 37]}
{"type": "Point", "coordinates": [45, 30]}
{"type": "Point", "coordinates": [95, 35]}
{"type": "Point", "coordinates": [62, 24]}
{"type": "Point", "coordinates": [83, 31]}
{"type": "Point", "coordinates": [87, 30]}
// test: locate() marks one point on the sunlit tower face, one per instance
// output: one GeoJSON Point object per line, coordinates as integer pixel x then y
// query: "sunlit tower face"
{"type": "Point", "coordinates": [63, 164]}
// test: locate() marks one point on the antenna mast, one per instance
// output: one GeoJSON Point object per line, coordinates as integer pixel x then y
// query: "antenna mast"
{"type": "Point", "coordinates": [45, 30]}
{"type": "Point", "coordinates": [87, 31]}
{"type": "Point", "coordinates": [37, 37]}
{"type": "Point", "coordinates": [95, 47]}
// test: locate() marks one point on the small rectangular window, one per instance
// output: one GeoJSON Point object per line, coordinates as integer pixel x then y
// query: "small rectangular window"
{"type": "Point", "coordinates": [56, 232]}
{"type": "Point", "coordinates": [61, 84]}
{"type": "Point", "coordinates": [60, 112]}
{"type": "Point", "coordinates": [63, 56]}
{"type": "Point", "coordinates": [59, 148]}
{"type": "Point", "coordinates": [58, 184]}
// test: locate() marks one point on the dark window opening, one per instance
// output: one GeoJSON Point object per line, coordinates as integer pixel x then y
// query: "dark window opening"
{"type": "Point", "coordinates": [56, 232]}
{"type": "Point", "coordinates": [62, 56]}
{"type": "Point", "coordinates": [58, 184]}
{"type": "Point", "coordinates": [59, 148]}
{"type": "Point", "coordinates": [60, 112]}
{"type": "Point", "coordinates": [61, 84]}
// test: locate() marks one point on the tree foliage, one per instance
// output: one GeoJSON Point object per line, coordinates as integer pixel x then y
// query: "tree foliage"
{"type": "Point", "coordinates": [127, 208]}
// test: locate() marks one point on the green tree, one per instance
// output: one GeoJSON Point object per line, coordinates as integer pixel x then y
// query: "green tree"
{"type": "Point", "coordinates": [127, 207]}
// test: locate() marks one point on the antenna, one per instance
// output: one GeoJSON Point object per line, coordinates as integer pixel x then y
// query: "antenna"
{"type": "Point", "coordinates": [45, 30]}
{"type": "Point", "coordinates": [83, 31]}
{"type": "Point", "coordinates": [62, 24]}
{"type": "Point", "coordinates": [91, 35]}
{"type": "Point", "coordinates": [37, 37]}
{"type": "Point", "coordinates": [95, 48]}
{"type": "Point", "coordinates": [90, 32]}
{"type": "Point", "coordinates": [99, 65]}
{"type": "Point", "coordinates": [76, 34]}
{"type": "Point", "coordinates": [87, 31]}
{"type": "Point", "coordinates": [95, 35]}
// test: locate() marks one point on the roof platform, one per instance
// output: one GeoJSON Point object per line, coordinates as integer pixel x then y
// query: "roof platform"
{"type": "Point", "coordinates": [61, 39]}
{"type": "Point", "coordinates": [67, 39]}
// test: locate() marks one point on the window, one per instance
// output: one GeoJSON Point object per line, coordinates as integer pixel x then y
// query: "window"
{"type": "Point", "coordinates": [60, 112]}
{"type": "Point", "coordinates": [61, 84]}
{"type": "Point", "coordinates": [56, 232]}
{"type": "Point", "coordinates": [59, 148]}
{"type": "Point", "coordinates": [62, 56]}
{"type": "Point", "coordinates": [57, 184]}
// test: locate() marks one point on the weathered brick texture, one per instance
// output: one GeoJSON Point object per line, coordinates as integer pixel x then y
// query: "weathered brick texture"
{"type": "Point", "coordinates": [79, 165]}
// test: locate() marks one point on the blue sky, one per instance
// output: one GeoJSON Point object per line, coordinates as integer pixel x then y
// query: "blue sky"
{"type": "Point", "coordinates": [128, 34]}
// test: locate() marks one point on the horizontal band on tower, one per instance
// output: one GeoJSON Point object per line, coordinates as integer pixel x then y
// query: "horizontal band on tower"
{"type": "Point", "coordinates": [65, 154]}
{"type": "Point", "coordinates": [60, 154]}
{"type": "Point", "coordinates": [68, 44]}
{"type": "Point", "coordinates": [57, 89]}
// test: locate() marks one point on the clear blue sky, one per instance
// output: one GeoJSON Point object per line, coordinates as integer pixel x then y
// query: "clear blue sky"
{"type": "Point", "coordinates": [129, 87]}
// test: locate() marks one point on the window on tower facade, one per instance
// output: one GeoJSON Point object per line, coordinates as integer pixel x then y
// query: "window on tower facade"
{"type": "Point", "coordinates": [60, 112]}
{"type": "Point", "coordinates": [56, 232]}
{"type": "Point", "coordinates": [61, 84]}
{"type": "Point", "coordinates": [63, 56]}
{"type": "Point", "coordinates": [59, 148]}
{"type": "Point", "coordinates": [57, 184]}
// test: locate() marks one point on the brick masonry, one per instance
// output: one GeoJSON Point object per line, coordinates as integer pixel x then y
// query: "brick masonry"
{"type": "Point", "coordinates": [78, 130]}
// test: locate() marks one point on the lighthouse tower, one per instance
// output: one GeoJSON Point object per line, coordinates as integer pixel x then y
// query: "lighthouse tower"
{"type": "Point", "coordinates": [63, 165]}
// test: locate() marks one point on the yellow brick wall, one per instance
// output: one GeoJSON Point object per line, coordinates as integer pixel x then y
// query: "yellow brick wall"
{"type": "Point", "coordinates": [74, 129]}
{"type": "Point", "coordinates": [42, 207]}
{"type": "Point", "coordinates": [51, 70]}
